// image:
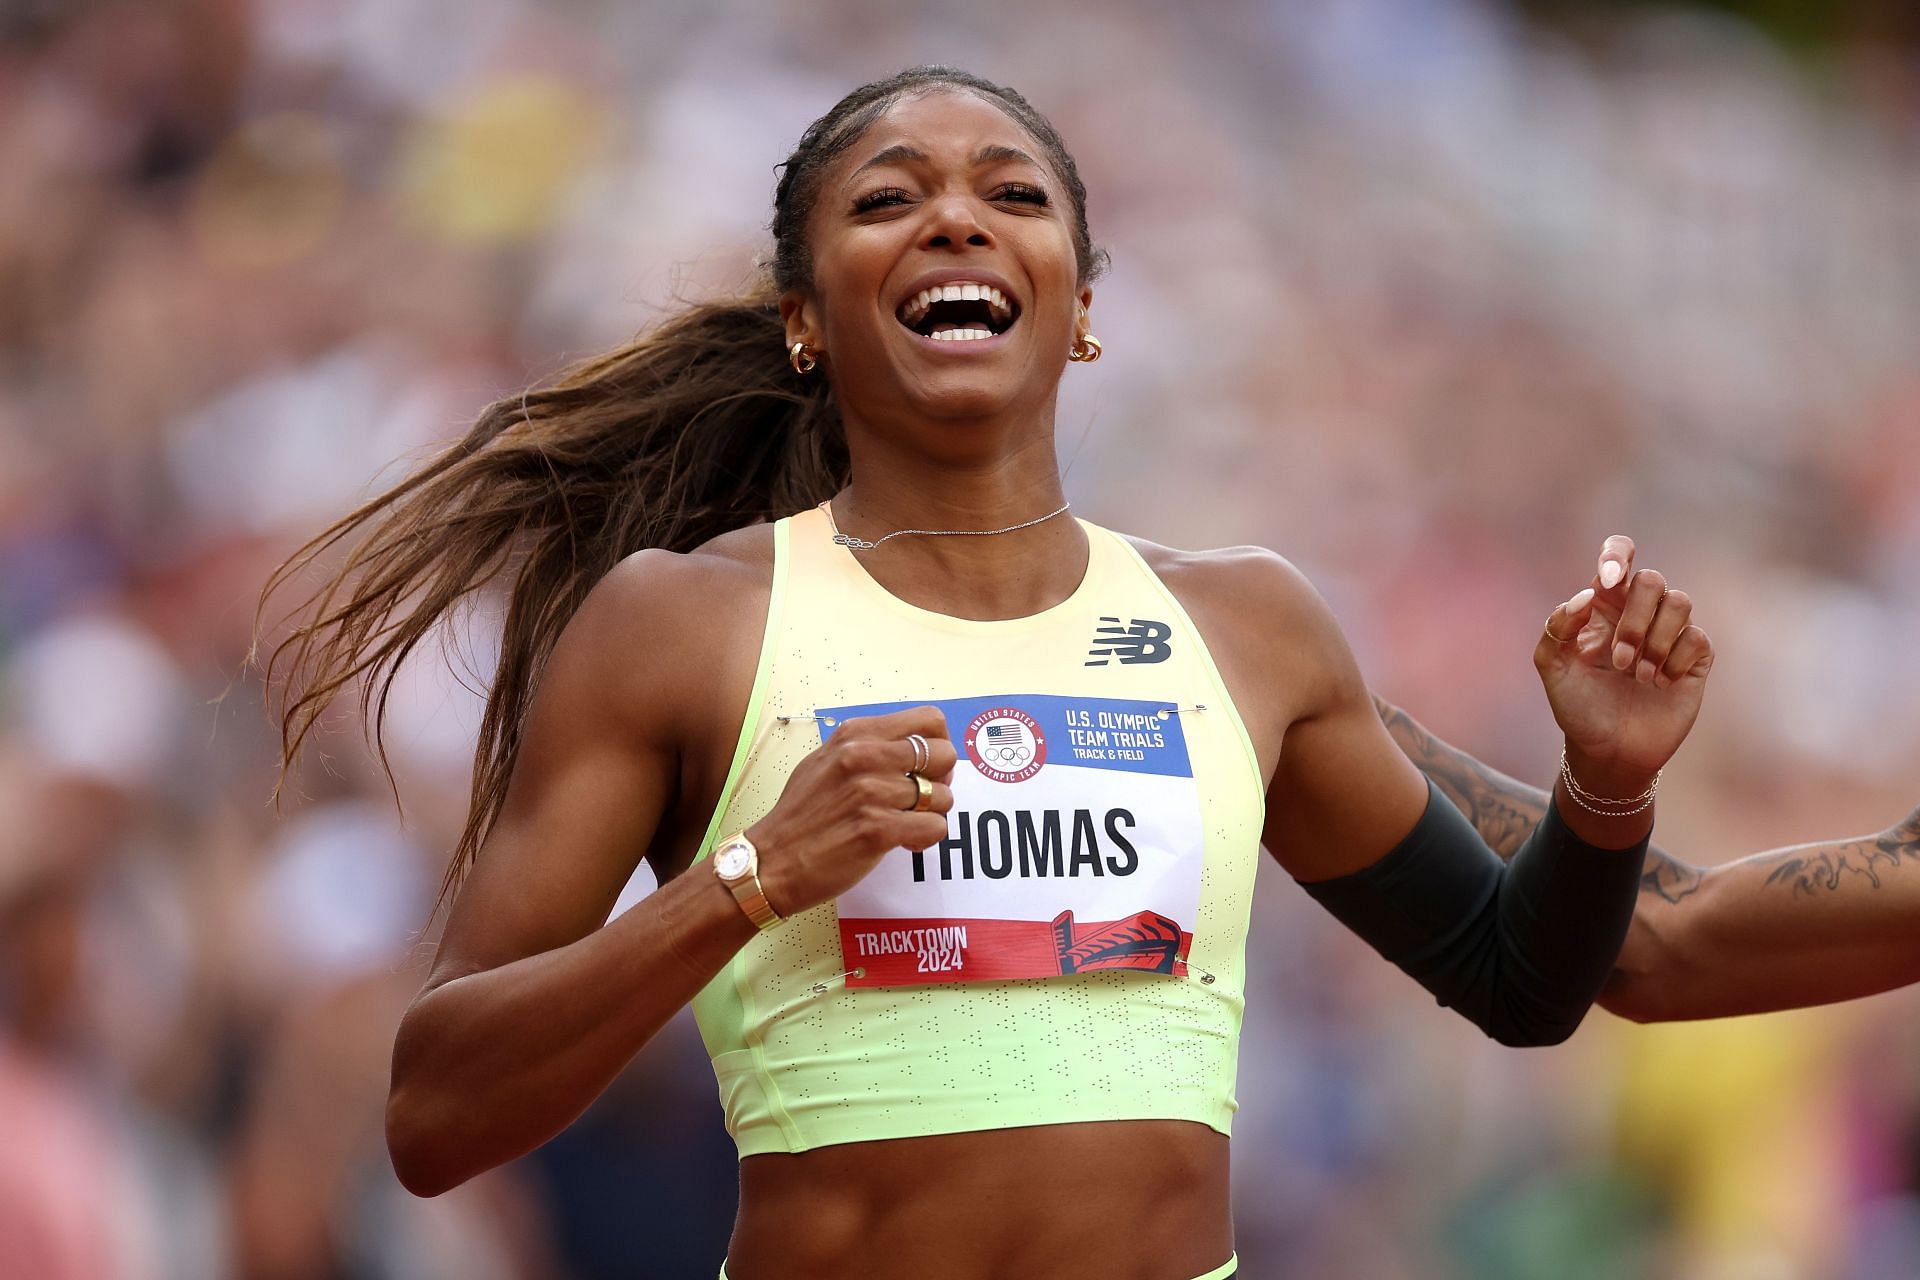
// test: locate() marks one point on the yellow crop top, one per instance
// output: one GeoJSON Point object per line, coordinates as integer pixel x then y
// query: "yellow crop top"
{"type": "Point", "coordinates": [1074, 950]}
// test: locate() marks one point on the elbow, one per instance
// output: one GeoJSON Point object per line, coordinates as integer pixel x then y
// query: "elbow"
{"type": "Point", "coordinates": [1633, 999]}
{"type": "Point", "coordinates": [1517, 1022]}
{"type": "Point", "coordinates": [1632, 1012]}
{"type": "Point", "coordinates": [423, 1117]}
{"type": "Point", "coordinates": [420, 1161]}
{"type": "Point", "coordinates": [1523, 1015]}
{"type": "Point", "coordinates": [1656, 975]}
{"type": "Point", "coordinates": [1520, 1017]}
{"type": "Point", "coordinates": [1532, 1033]}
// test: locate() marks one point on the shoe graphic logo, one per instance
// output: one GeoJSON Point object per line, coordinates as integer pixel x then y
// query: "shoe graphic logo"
{"type": "Point", "coordinates": [1144, 640]}
{"type": "Point", "coordinates": [1145, 940]}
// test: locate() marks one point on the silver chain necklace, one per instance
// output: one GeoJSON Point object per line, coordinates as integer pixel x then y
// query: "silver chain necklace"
{"type": "Point", "coordinates": [861, 544]}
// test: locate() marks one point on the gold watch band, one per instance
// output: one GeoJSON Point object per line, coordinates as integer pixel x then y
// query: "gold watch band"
{"type": "Point", "coordinates": [753, 900]}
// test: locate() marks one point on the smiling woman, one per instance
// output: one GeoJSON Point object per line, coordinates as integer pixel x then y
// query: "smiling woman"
{"type": "Point", "coordinates": [954, 804]}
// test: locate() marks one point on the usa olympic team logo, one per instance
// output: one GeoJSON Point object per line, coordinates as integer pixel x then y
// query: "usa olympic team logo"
{"type": "Point", "coordinates": [1006, 744]}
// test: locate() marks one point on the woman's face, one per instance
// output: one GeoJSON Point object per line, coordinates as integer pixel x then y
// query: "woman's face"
{"type": "Point", "coordinates": [944, 194]}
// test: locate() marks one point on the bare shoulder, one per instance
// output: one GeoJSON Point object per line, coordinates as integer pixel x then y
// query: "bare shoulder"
{"type": "Point", "coordinates": [1246, 586]}
{"type": "Point", "coordinates": [1276, 642]}
{"type": "Point", "coordinates": [675, 593]}
{"type": "Point", "coordinates": [665, 628]}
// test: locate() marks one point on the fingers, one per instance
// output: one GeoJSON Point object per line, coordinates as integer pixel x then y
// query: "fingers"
{"type": "Point", "coordinates": [941, 801]}
{"type": "Point", "coordinates": [878, 749]}
{"type": "Point", "coordinates": [917, 828]}
{"type": "Point", "coordinates": [1644, 592]}
{"type": "Point", "coordinates": [1616, 562]}
{"type": "Point", "coordinates": [884, 742]}
{"type": "Point", "coordinates": [1566, 620]}
{"type": "Point", "coordinates": [941, 757]}
{"type": "Point", "coordinates": [1596, 638]}
{"type": "Point", "coordinates": [1670, 618]}
{"type": "Point", "coordinates": [1564, 625]}
{"type": "Point", "coordinates": [1692, 655]}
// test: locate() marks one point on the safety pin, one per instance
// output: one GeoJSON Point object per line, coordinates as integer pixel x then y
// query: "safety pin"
{"type": "Point", "coordinates": [820, 988]}
{"type": "Point", "coordinates": [1174, 711]}
{"type": "Point", "coordinates": [1205, 977]}
{"type": "Point", "coordinates": [828, 721]}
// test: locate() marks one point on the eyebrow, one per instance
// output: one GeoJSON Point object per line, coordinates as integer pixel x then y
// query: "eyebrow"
{"type": "Point", "coordinates": [902, 153]}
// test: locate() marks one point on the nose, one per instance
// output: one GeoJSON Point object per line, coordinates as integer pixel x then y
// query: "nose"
{"type": "Point", "coordinates": [954, 219]}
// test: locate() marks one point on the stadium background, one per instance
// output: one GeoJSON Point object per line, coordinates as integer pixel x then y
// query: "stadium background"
{"type": "Point", "coordinates": [1429, 295]}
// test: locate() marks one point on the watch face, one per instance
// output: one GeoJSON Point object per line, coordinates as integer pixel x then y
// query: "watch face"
{"type": "Point", "coordinates": [731, 862]}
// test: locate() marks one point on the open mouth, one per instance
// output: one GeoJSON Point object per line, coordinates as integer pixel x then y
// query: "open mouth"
{"type": "Point", "coordinates": [962, 311]}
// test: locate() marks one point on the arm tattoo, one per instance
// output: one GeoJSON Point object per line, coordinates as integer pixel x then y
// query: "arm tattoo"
{"type": "Point", "coordinates": [1811, 869]}
{"type": "Point", "coordinates": [1504, 811]}
{"type": "Point", "coordinates": [1669, 879]}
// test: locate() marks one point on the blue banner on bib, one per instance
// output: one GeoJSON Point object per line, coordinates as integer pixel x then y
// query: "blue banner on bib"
{"type": "Point", "coordinates": [1011, 735]}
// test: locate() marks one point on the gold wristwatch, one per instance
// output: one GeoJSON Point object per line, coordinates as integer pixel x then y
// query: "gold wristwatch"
{"type": "Point", "coordinates": [737, 863]}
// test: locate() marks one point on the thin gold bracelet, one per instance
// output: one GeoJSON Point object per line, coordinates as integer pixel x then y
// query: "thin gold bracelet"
{"type": "Point", "coordinates": [1600, 804]}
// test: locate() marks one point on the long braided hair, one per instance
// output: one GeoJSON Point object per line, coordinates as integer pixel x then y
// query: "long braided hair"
{"type": "Point", "coordinates": [689, 430]}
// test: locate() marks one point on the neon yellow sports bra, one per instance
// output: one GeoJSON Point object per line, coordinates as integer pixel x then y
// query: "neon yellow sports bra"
{"type": "Point", "coordinates": [1074, 950]}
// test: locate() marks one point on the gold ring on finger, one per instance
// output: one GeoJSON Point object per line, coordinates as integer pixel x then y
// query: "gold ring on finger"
{"type": "Point", "coordinates": [923, 793]}
{"type": "Point", "coordinates": [1547, 627]}
{"type": "Point", "coordinates": [922, 753]}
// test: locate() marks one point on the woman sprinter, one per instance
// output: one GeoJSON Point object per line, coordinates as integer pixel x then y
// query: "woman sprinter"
{"type": "Point", "coordinates": [954, 800]}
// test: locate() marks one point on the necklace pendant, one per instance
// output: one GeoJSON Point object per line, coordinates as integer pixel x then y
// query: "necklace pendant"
{"type": "Point", "coordinates": [858, 544]}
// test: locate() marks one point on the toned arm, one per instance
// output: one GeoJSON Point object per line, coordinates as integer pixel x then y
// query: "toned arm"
{"type": "Point", "coordinates": [532, 1006]}
{"type": "Point", "coordinates": [535, 1002]}
{"type": "Point", "coordinates": [1516, 949]}
{"type": "Point", "coordinates": [1806, 925]}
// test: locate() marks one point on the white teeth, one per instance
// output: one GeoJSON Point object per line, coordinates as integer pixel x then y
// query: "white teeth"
{"type": "Point", "coordinates": [962, 335]}
{"type": "Point", "coordinates": [915, 309]}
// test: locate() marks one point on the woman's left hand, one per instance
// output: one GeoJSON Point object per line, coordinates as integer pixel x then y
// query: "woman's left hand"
{"type": "Point", "coordinates": [1627, 680]}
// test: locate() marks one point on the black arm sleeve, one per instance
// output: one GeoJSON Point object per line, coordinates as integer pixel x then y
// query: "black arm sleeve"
{"type": "Point", "coordinates": [1522, 948]}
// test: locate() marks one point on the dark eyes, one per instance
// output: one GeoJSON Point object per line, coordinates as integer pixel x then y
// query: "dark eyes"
{"type": "Point", "coordinates": [1019, 192]}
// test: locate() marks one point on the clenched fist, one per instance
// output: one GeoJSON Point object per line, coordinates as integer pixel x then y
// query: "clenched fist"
{"type": "Point", "coordinates": [851, 801]}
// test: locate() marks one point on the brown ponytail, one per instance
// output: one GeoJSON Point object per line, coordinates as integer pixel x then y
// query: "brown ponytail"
{"type": "Point", "coordinates": [689, 431]}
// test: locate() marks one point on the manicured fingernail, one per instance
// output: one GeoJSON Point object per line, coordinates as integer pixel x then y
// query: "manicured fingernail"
{"type": "Point", "coordinates": [1610, 573]}
{"type": "Point", "coordinates": [1622, 656]}
{"type": "Point", "coordinates": [1579, 602]}
{"type": "Point", "coordinates": [1663, 681]}
{"type": "Point", "coordinates": [1645, 671]}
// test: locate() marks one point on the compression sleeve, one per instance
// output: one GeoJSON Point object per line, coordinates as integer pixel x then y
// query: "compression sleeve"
{"type": "Point", "coordinates": [1520, 948]}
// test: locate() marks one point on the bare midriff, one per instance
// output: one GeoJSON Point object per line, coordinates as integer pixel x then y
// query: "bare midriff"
{"type": "Point", "coordinates": [1117, 1200]}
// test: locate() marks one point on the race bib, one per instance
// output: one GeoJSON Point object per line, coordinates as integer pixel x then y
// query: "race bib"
{"type": "Point", "coordinates": [1074, 844]}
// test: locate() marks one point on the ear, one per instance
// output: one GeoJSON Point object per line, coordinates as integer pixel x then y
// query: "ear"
{"type": "Point", "coordinates": [798, 314]}
{"type": "Point", "coordinates": [1086, 298]}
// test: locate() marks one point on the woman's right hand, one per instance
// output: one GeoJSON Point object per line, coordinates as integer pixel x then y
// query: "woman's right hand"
{"type": "Point", "coordinates": [850, 803]}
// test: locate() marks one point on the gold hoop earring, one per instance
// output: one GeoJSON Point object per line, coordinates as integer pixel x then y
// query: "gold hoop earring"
{"type": "Point", "coordinates": [1085, 349]}
{"type": "Point", "coordinates": [802, 360]}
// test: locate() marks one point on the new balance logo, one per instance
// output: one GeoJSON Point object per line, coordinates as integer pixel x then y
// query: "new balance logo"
{"type": "Point", "coordinates": [1143, 641]}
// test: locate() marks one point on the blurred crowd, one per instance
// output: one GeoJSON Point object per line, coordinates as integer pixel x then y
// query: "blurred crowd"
{"type": "Point", "coordinates": [1429, 295]}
